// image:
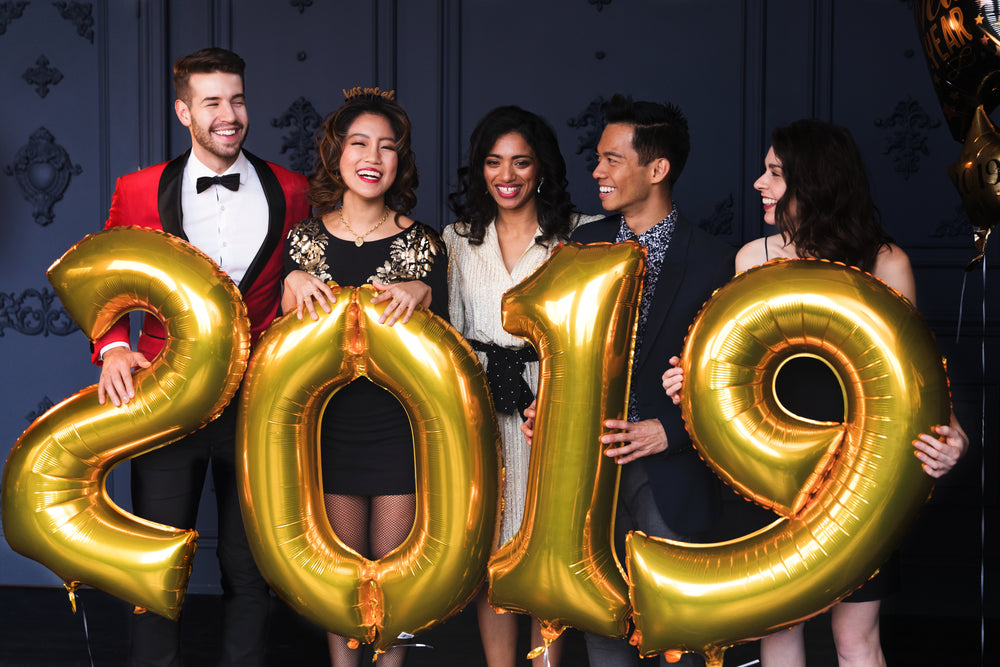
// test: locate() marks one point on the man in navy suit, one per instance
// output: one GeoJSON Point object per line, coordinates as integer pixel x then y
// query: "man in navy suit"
{"type": "Point", "coordinates": [666, 490]}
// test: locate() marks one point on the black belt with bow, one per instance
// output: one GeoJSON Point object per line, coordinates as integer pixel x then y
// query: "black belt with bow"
{"type": "Point", "coordinates": [505, 375]}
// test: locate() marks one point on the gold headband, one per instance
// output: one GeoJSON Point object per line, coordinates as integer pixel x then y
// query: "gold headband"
{"type": "Point", "coordinates": [372, 92]}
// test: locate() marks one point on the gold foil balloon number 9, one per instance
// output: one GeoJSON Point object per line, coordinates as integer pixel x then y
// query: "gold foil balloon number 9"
{"type": "Point", "coordinates": [55, 506]}
{"type": "Point", "coordinates": [848, 492]}
{"type": "Point", "coordinates": [296, 367]}
{"type": "Point", "coordinates": [579, 311]}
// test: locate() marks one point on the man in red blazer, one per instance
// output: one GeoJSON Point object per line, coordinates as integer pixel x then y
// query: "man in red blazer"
{"type": "Point", "coordinates": [237, 209]}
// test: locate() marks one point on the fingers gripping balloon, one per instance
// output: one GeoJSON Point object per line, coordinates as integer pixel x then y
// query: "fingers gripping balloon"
{"type": "Point", "coordinates": [579, 311]}
{"type": "Point", "coordinates": [296, 367]}
{"type": "Point", "coordinates": [848, 492]}
{"type": "Point", "coordinates": [55, 506]}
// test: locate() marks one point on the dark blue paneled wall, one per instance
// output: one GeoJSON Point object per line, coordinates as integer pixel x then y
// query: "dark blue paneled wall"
{"type": "Point", "coordinates": [90, 83]}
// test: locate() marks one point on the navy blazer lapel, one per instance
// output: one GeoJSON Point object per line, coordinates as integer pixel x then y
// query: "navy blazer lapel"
{"type": "Point", "coordinates": [168, 196]}
{"type": "Point", "coordinates": [275, 219]}
{"type": "Point", "coordinates": [671, 275]}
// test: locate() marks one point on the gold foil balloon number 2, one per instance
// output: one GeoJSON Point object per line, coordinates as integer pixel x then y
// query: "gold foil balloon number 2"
{"type": "Point", "coordinates": [847, 492]}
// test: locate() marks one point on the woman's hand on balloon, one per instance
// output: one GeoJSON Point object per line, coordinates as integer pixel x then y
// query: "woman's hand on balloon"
{"type": "Point", "coordinates": [403, 298]}
{"type": "Point", "coordinates": [940, 453]}
{"type": "Point", "coordinates": [301, 290]}
{"type": "Point", "coordinates": [528, 425]}
{"type": "Point", "coordinates": [116, 375]}
{"type": "Point", "coordinates": [673, 380]}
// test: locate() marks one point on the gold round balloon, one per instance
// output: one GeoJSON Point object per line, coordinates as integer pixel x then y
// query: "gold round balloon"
{"type": "Point", "coordinates": [847, 492]}
{"type": "Point", "coordinates": [976, 175]}
{"type": "Point", "coordinates": [426, 364]}
{"type": "Point", "coordinates": [579, 310]}
{"type": "Point", "coordinates": [55, 506]}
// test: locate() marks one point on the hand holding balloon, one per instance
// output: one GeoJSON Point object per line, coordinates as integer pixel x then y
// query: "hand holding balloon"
{"type": "Point", "coordinates": [403, 298]}
{"type": "Point", "coordinates": [673, 380]}
{"type": "Point", "coordinates": [528, 425]}
{"type": "Point", "coordinates": [301, 288]}
{"type": "Point", "coordinates": [940, 454]}
{"type": "Point", "coordinates": [116, 375]}
{"type": "Point", "coordinates": [634, 440]}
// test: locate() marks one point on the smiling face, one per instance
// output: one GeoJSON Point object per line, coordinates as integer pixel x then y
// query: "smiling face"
{"type": "Point", "coordinates": [511, 172]}
{"type": "Point", "coordinates": [369, 160]}
{"type": "Point", "coordinates": [216, 115]}
{"type": "Point", "coordinates": [771, 186]}
{"type": "Point", "coordinates": [623, 184]}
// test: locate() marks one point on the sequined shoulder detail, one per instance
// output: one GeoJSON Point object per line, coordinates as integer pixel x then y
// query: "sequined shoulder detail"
{"type": "Point", "coordinates": [307, 242]}
{"type": "Point", "coordinates": [411, 255]}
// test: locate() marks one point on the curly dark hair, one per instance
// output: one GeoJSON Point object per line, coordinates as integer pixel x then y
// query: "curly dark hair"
{"type": "Point", "coordinates": [204, 61]}
{"type": "Point", "coordinates": [659, 130]}
{"type": "Point", "coordinates": [834, 215]}
{"type": "Point", "coordinates": [326, 187]}
{"type": "Point", "coordinates": [474, 205]}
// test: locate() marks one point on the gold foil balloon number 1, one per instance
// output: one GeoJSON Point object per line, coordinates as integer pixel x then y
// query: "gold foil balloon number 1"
{"type": "Point", "coordinates": [579, 311]}
{"type": "Point", "coordinates": [55, 506]}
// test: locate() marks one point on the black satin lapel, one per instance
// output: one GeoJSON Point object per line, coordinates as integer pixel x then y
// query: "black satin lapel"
{"type": "Point", "coordinates": [275, 219]}
{"type": "Point", "coordinates": [671, 275]}
{"type": "Point", "coordinates": [168, 196]}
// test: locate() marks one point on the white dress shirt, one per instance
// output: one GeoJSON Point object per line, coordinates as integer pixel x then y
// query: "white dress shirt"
{"type": "Point", "coordinates": [228, 226]}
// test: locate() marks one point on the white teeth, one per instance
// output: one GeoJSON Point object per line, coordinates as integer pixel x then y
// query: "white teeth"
{"type": "Point", "coordinates": [369, 173]}
{"type": "Point", "coordinates": [606, 189]}
{"type": "Point", "coordinates": [508, 189]}
{"type": "Point", "coordinates": [226, 133]}
{"type": "Point", "coordinates": [768, 201]}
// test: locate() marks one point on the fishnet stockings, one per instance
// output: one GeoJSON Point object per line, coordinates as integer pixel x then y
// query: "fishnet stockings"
{"type": "Point", "coordinates": [373, 526]}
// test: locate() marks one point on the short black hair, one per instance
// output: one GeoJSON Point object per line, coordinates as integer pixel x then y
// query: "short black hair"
{"type": "Point", "coordinates": [659, 130]}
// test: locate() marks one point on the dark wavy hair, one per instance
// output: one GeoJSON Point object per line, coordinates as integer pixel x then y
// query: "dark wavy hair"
{"type": "Point", "coordinates": [204, 61]}
{"type": "Point", "coordinates": [473, 203]}
{"type": "Point", "coordinates": [326, 187]}
{"type": "Point", "coordinates": [659, 130]}
{"type": "Point", "coordinates": [835, 217]}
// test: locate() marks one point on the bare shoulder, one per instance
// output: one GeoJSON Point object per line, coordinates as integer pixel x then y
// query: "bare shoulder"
{"type": "Point", "coordinates": [751, 255]}
{"type": "Point", "coordinates": [892, 265]}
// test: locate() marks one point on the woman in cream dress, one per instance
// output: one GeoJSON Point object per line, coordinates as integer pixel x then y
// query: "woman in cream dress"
{"type": "Point", "coordinates": [513, 209]}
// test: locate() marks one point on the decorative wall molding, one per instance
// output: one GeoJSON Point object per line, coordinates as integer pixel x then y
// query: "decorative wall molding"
{"type": "Point", "coordinates": [79, 14]}
{"type": "Point", "coordinates": [304, 121]}
{"type": "Point", "coordinates": [34, 313]}
{"type": "Point", "coordinates": [41, 76]}
{"type": "Point", "coordinates": [590, 126]}
{"type": "Point", "coordinates": [720, 223]}
{"type": "Point", "coordinates": [10, 11]}
{"type": "Point", "coordinates": [43, 170]}
{"type": "Point", "coordinates": [43, 407]}
{"type": "Point", "coordinates": [909, 125]}
{"type": "Point", "coordinates": [956, 225]}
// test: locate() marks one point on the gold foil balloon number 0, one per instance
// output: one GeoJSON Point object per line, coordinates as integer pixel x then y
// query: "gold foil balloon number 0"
{"type": "Point", "coordinates": [847, 492]}
{"type": "Point", "coordinates": [425, 363]}
{"type": "Point", "coordinates": [55, 506]}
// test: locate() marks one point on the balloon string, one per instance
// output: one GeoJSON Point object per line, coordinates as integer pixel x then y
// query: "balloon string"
{"type": "Point", "coordinates": [982, 480]}
{"type": "Point", "coordinates": [86, 631]}
{"type": "Point", "coordinates": [961, 302]}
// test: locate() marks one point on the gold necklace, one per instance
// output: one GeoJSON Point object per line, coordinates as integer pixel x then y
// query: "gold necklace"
{"type": "Point", "coordinates": [360, 240]}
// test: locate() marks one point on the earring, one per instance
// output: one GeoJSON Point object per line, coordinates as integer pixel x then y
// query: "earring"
{"type": "Point", "coordinates": [539, 188]}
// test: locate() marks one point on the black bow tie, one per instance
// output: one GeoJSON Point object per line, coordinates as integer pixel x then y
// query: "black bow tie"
{"type": "Point", "coordinates": [231, 181]}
